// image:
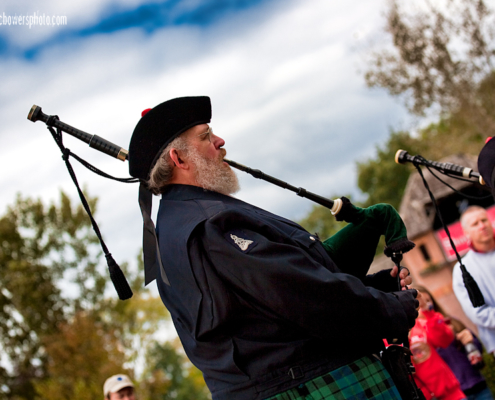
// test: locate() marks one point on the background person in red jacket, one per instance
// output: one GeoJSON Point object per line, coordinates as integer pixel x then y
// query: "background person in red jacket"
{"type": "Point", "coordinates": [463, 356]}
{"type": "Point", "coordinates": [431, 331]}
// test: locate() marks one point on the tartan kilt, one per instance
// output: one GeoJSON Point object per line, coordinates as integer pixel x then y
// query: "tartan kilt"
{"type": "Point", "coordinates": [365, 378]}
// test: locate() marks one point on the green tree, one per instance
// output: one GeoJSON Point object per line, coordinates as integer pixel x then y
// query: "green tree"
{"type": "Point", "coordinates": [80, 356]}
{"type": "Point", "coordinates": [61, 333]}
{"type": "Point", "coordinates": [37, 246]}
{"type": "Point", "coordinates": [440, 64]}
{"type": "Point", "coordinates": [381, 178]}
{"type": "Point", "coordinates": [171, 375]}
{"type": "Point", "coordinates": [439, 54]}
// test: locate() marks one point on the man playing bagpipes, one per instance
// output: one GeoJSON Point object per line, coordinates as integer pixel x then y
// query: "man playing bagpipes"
{"type": "Point", "coordinates": [263, 308]}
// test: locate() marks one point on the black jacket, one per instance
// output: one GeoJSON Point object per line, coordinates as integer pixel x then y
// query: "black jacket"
{"type": "Point", "coordinates": [257, 302]}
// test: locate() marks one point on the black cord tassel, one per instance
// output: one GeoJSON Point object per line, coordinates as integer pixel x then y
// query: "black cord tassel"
{"type": "Point", "coordinates": [118, 279]}
{"type": "Point", "coordinates": [472, 288]}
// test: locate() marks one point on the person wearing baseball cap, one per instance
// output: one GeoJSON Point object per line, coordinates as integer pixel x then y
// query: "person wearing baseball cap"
{"type": "Point", "coordinates": [119, 387]}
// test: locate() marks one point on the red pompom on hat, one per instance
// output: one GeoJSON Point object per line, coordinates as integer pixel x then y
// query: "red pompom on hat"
{"type": "Point", "coordinates": [144, 112]}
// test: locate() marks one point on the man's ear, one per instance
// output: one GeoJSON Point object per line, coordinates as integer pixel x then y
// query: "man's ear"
{"type": "Point", "coordinates": [177, 160]}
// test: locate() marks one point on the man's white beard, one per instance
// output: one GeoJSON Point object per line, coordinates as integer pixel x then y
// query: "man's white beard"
{"type": "Point", "coordinates": [213, 174]}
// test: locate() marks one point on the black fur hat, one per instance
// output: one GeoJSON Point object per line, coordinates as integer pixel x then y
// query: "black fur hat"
{"type": "Point", "coordinates": [159, 126]}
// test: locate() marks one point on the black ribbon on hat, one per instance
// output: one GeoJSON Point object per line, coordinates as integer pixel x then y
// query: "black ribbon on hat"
{"type": "Point", "coordinates": [157, 127]}
{"type": "Point", "coordinates": [151, 250]}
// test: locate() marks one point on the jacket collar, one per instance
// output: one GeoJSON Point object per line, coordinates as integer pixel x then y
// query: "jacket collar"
{"type": "Point", "coordinates": [177, 192]}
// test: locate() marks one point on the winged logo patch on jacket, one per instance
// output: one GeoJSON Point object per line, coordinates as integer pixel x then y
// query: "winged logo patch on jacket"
{"type": "Point", "coordinates": [242, 243]}
{"type": "Point", "coordinates": [240, 240]}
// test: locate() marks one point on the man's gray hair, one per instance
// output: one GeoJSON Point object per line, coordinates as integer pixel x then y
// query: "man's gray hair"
{"type": "Point", "coordinates": [162, 172]}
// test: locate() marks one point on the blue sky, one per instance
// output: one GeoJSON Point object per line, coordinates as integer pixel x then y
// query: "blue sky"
{"type": "Point", "coordinates": [285, 79]}
{"type": "Point", "coordinates": [148, 17]}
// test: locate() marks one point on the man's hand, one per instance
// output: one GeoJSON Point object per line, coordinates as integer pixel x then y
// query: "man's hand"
{"type": "Point", "coordinates": [464, 336]}
{"type": "Point", "coordinates": [405, 277]}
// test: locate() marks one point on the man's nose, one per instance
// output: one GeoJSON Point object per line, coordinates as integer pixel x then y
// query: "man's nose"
{"type": "Point", "coordinates": [217, 141]}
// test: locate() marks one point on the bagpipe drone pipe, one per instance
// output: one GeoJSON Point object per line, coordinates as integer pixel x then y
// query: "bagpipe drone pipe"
{"type": "Point", "coordinates": [457, 172]}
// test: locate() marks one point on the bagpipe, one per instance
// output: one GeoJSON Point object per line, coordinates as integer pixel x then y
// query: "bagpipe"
{"type": "Point", "coordinates": [364, 229]}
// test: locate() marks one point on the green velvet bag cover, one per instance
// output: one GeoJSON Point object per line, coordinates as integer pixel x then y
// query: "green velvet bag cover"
{"type": "Point", "coordinates": [353, 247]}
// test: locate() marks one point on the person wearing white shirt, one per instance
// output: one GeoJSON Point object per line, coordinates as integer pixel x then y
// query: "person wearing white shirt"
{"type": "Point", "coordinates": [480, 263]}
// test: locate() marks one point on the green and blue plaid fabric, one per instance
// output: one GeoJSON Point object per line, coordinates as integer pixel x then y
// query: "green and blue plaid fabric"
{"type": "Point", "coordinates": [365, 378]}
